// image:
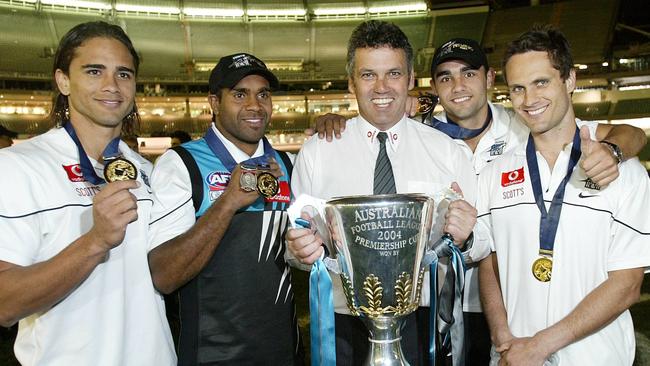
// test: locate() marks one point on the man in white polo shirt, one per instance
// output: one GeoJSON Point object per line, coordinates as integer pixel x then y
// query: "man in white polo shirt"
{"type": "Point", "coordinates": [73, 249]}
{"type": "Point", "coordinates": [461, 78]}
{"type": "Point", "coordinates": [569, 254]}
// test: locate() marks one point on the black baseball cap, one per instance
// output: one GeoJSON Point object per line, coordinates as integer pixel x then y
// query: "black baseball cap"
{"type": "Point", "coordinates": [464, 49]}
{"type": "Point", "coordinates": [231, 69]}
{"type": "Point", "coordinates": [7, 132]}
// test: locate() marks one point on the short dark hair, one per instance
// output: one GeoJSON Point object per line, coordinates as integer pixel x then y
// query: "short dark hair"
{"type": "Point", "coordinates": [7, 132]}
{"type": "Point", "coordinates": [181, 135]}
{"type": "Point", "coordinates": [376, 34]}
{"type": "Point", "coordinates": [544, 38]}
{"type": "Point", "coordinates": [65, 53]}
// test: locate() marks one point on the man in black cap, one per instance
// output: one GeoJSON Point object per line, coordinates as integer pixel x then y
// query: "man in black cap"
{"type": "Point", "coordinates": [218, 228]}
{"type": "Point", "coordinates": [460, 78]}
{"type": "Point", "coordinates": [6, 137]}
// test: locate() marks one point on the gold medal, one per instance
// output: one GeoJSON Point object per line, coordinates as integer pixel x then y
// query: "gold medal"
{"type": "Point", "coordinates": [119, 169]}
{"type": "Point", "coordinates": [542, 268]}
{"type": "Point", "coordinates": [267, 184]}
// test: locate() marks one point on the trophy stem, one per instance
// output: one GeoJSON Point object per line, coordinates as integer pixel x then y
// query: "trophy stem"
{"type": "Point", "coordinates": [385, 347]}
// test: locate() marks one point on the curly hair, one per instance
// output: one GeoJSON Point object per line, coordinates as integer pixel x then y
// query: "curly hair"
{"type": "Point", "coordinates": [65, 53]}
{"type": "Point", "coordinates": [544, 38]}
{"type": "Point", "coordinates": [376, 34]}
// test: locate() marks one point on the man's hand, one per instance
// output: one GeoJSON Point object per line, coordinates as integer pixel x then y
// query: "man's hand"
{"type": "Point", "coordinates": [305, 244]}
{"type": "Point", "coordinates": [328, 125]}
{"type": "Point", "coordinates": [460, 218]}
{"type": "Point", "coordinates": [411, 106]}
{"type": "Point", "coordinates": [235, 197]}
{"type": "Point", "coordinates": [502, 339]}
{"type": "Point", "coordinates": [114, 208]}
{"type": "Point", "coordinates": [522, 352]}
{"type": "Point", "coordinates": [597, 161]}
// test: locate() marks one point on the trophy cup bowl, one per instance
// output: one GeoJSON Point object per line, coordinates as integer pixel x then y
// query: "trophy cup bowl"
{"type": "Point", "coordinates": [380, 242]}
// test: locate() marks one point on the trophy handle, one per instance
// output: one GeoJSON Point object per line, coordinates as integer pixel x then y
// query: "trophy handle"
{"type": "Point", "coordinates": [437, 236]}
{"type": "Point", "coordinates": [315, 209]}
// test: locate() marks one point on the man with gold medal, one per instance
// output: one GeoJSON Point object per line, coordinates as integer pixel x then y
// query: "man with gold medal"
{"type": "Point", "coordinates": [218, 227]}
{"type": "Point", "coordinates": [568, 255]}
{"type": "Point", "coordinates": [73, 250]}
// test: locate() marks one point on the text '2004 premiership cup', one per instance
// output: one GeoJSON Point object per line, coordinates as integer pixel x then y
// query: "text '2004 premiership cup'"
{"type": "Point", "coordinates": [380, 243]}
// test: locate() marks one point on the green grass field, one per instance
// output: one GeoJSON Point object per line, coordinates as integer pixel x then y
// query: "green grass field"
{"type": "Point", "coordinates": [640, 314]}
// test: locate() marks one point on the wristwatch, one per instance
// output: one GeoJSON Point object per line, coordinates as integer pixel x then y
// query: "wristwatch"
{"type": "Point", "coordinates": [616, 151]}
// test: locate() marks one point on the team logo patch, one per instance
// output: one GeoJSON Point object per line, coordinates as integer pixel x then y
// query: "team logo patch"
{"type": "Point", "coordinates": [512, 177]}
{"type": "Point", "coordinates": [74, 173]}
{"type": "Point", "coordinates": [284, 194]}
{"type": "Point", "coordinates": [145, 178]}
{"type": "Point", "coordinates": [217, 183]}
{"type": "Point", "coordinates": [589, 184]}
{"type": "Point", "coordinates": [497, 148]}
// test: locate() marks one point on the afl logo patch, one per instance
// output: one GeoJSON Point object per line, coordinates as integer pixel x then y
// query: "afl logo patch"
{"type": "Point", "coordinates": [512, 177]}
{"type": "Point", "coordinates": [74, 173]}
{"type": "Point", "coordinates": [217, 180]}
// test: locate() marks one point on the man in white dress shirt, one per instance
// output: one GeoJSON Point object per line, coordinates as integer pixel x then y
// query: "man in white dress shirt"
{"type": "Point", "coordinates": [423, 160]}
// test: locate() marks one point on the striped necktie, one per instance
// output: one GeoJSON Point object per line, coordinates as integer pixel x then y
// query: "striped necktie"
{"type": "Point", "coordinates": [384, 182]}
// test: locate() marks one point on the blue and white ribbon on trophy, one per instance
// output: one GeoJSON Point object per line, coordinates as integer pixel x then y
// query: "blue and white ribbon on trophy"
{"type": "Point", "coordinates": [446, 309]}
{"type": "Point", "coordinates": [321, 303]}
{"type": "Point", "coordinates": [447, 319]}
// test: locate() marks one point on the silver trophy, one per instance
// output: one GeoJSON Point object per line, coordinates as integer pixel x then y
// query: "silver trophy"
{"type": "Point", "coordinates": [380, 242]}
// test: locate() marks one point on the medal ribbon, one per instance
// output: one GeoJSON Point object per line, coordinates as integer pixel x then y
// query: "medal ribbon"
{"type": "Point", "coordinates": [447, 319]}
{"type": "Point", "coordinates": [550, 219]}
{"type": "Point", "coordinates": [220, 151]}
{"type": "Point", "coordinates": [453, 130]}
{"type": "Point", "coordinates": [87, 170]}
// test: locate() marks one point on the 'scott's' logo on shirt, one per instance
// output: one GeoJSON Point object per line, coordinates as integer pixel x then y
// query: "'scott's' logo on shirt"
{"type": "Point", "coordinates": [512, 177]}
{"type": "Point", "coordinates": [74, 173]}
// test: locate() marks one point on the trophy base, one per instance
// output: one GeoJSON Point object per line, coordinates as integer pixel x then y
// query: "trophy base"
{"type": "Point", "coordinates": [385, 347]}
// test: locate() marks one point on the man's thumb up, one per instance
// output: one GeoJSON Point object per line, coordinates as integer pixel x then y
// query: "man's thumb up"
{"type": "Point", "coordinates": [586, 143]}
{"type": "Point", "coordinates": [597, 160]}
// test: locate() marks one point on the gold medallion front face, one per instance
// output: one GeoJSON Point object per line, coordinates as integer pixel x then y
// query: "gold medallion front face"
{"type": "Point", "coordinates": [267, 184]}
{"type": "Point", "coordinates": [120, 169]}
{"type": "Point", "coordinates": [542, 268]}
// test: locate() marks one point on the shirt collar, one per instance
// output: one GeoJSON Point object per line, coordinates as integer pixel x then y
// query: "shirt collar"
{"type": "Point", "coordinates": [521, 149]}
{"type": "Point", "coordinates": [499, 126]}
{"type": "Point", "coordinates": [369, 132]}
{"type": "Point", "coordinates": [236, 152]}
